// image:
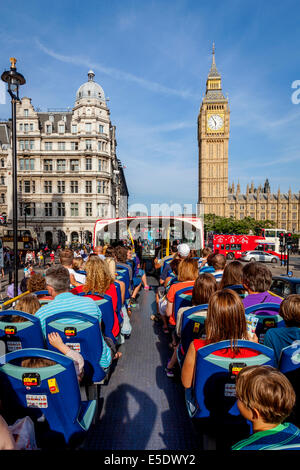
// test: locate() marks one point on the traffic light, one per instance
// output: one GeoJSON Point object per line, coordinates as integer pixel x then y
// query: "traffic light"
{"type": "Point", "coordinates": [281, 238]}
{"type": "Point", "coordinates": [288, 240]}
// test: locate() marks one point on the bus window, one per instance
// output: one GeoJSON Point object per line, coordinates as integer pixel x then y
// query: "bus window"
{"type": "Point", "coordinates": [222, 247]}
{"type": "Point", "coordinates": [227, 247]}
{"type": "Point", "coordinates": [236, 246]}
{"type": "Point", "coordinates": [270, 233]}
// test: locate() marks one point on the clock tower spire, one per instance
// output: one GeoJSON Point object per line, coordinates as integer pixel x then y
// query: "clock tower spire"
{"type": "Point", "coordinates": [213, 137]}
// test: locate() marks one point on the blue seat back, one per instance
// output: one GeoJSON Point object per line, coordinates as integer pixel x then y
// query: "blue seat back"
{"type": "Point", "coordinates": [238, 288]}
{"type": "Point", "coordinates": [119, 304]}
{"type": "Point", "coordinates": [83, 335]}
{"type": "Point", "coordinates": [27, 334]}
{"type": "Point", "coordinates": [215, 377]}
{"type": "Point", "coordinates": [290, 358]}
{"type": "Point", "coordinates": [52, 391]}
{"type": "Point", "coordinates": [183, 298]}
{"type": "Point", "coordinates": [193, 326]}
{"type": "Point", "coordinates": [43, 293]}
{"type": "Point", "coordinates": [106, 306]}
{"type": "Point", "coordinates": [123, 275]}
{"type": "Point", "coordinates": [265, 321]}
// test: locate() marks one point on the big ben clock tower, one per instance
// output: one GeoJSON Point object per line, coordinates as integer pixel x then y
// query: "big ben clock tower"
{"type": "Point", "coordinates": [213, 137]}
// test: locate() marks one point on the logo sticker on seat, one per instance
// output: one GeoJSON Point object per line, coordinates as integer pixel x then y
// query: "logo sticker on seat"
{"type": "Point", "coordinates": [70, 331]}
{"type": "Point", "coordinates": [31, 379]}
{"type": "Point", "coordinates": [10, 330]}
{"type": "Point", "coordinates": [36, 401]}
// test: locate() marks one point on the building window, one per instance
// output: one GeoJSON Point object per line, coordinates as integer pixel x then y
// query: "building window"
{"type": "Point", "coordinates": [88, 209]}
{"type": "Point", "coordinates": [2, 198]}
{"type": "Point", "coordinates": [61, 165]}
{"type": "Point", "coordinates": [2, 179]}
{"type": "Point", "coordinates": [61, 187]}
{"type": "Point", "coordinates": [48, 209]}
{"type": "Point", "coordinates": [48, 165]}
{"type": "Point", "coordinates": [61, 146]}
{"type": "Point", "coordinates": [252, 215]}
{"type": "Point", "coordinates": [31, 126]}
{"type": "Point", "coordinates": [88, 145]}
{"type": "Point", "coordinates": [74, 165]}
{"type": "Point", "coordinates": [48, 145]}
{"type": "Point", "coordinates": [48, 128]}
{"type": "Point", "coordinates": [21, 127]}
{"type": "Point", "coordinates": [21, 145]}
{"type": "Point", "coordinates": [88, 163]}
{"type": "Point", "coordinates": [283, 215]}
{"type": "Point", "coordinates": [51, 118]}
{"type": "Point", "coordinates": [101, 187]}
{"type": "Point", "coordinates": [61, 209]}
{"type": "Point", "coordinates": [31, 144]}
{"type": "Point", "coordinates": [88, 127]}
{"type": "Point", "coordinates": [26, 112]}
{"type": "Point", "coordinates": [31, 163]}
{"type": "Point", "coordinates": [262, 216]}
{"type": "Point", "coordinates": [101, 210]}
{"type": "Point", "coordinates": [262, 207]}
{"type": "Point", "coordinates": [74, 209]}
{"type": "Point", "coordinates": [294, 215]}
{"type": "Point", "coordinates": [48, 187]}
{"type": "Point", "coordinates": [33, 186]}
{"type": "Point", "coordinates": [74, 128]}
{"type": "Point", "coordinates": [26, 186]}
{"type": "Point", "coordinates": [61, 128]}
{"type": "Point", "coordinates": [242, 207]}
{"type": "Point", "coordinates": [294, 207]}
{"type": "Point", "coordinates": [101, 129]}
{"type": "Point", "coordinates": [2, 163]}
{"type": "Point", "coordinates": [74, 145]}
{"type": "Point", "coordinates": [273, 216]}
{"type": "Point", "coordinates": [88, 186]}
{"type": "Point", "coordinates": [242, 215]}
{"type": "Point", "coordinates": [26, 127]}
{"type": "Point", "coordinates": [74, 187]}
{"type": "Point", "coordinates": [102, 167]}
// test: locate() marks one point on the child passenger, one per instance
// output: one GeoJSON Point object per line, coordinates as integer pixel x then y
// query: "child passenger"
{"type": "Point", "coordinates": [266, 398]}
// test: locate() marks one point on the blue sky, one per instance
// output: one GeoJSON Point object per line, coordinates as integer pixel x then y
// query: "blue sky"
{"type": "Point", "coordinates": [152, 59]}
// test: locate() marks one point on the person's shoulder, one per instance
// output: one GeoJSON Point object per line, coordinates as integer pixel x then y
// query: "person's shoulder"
{"type": "Point", "coordinates": [275, 297]}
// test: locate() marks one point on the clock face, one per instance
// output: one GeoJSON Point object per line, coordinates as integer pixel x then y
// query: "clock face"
{"type": "Point", "coordinates": [215, 122]}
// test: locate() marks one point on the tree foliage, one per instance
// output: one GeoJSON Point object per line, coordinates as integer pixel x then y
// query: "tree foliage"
{"type": "Point", "coordinates": [246, 226]}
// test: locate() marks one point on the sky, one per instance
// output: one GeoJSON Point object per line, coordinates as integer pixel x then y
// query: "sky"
{"type": "Point", "coordinates": [152, 58]}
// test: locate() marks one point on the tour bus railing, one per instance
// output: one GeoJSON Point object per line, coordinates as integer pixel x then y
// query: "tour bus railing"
{"type": "Point", "coordinates": [11, 301]}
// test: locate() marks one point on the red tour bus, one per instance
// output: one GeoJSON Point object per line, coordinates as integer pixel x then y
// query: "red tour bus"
{"type": "Point", "coordinates": [232, 246]}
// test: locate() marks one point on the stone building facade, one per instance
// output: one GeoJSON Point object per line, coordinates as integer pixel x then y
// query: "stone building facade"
{"type": "Point", "coordinates": [215, 196]}
{"type": "Point", "coordinates": [68, 171]}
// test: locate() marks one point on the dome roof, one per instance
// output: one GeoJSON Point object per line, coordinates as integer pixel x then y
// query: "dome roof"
{"type": "Point", "coordinates": [90, 89]}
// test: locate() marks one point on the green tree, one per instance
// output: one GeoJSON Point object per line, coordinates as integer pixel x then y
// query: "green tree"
{"type": "Point", "coordinates": [246, 226]}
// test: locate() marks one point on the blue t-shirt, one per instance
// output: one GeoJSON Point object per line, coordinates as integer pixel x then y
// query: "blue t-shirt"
{"type": "Point", "coordinates": [279, 338]}
{"type": "Point", "coordinates": [282, 437]}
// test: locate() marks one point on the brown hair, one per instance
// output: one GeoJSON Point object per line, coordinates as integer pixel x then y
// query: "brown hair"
{"type": "Point", "coordinates": [36, 362]}
{"type": "Point", "coordinates": [225, 318]}
{"type": "Point", "coordinates": [266, 389]}
{"type": "Point", "coordinates": [29, 304]}
{"type": "Point", "coordinates": [205, 285]}
{"type": "Point", "coordinates": [110, 252]}
{"type": "Point", "coordinates": [98, 278]}
{"type": "Point", "coordinates": [232, 274]}
{"type": "Point", "coordinates": [77, 263]}
{"type": "Point", "coordinates": [66, 257]}
{"type": "Point", "coordinates": [218, 261]}
{"type": "Point", "coordinates": [188, 270]}
{"type": "Point", "coordinates": [206, 251]}
{"type": "Point", "coordinates": [174, 264]}
{"type": "Point", "coordinates": [257, 277]}
{"type": "Point", "coordinates": [290, 310]}
{"type": "Point", "coordinates": [121, 254]}
{"type": "Point", "coordinates": [36, 282]}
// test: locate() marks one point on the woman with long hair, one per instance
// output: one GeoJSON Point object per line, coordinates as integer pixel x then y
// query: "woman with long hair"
{"type": "Point", "coordinates": [232, 275]}
{"type": "Point", "coordinates": [225, 321]}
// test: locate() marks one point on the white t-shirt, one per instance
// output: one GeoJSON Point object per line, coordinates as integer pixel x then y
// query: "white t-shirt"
{"type": "Point", "coordinates": [78, 277]}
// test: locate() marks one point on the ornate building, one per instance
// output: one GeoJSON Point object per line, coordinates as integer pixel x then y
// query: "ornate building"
{"type": "Point", "coordinates": [68, 171]}
{"type": "Point", "coordinates": [215, 196]}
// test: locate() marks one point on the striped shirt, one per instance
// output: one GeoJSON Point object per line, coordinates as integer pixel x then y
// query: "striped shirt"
{"type": "Point", "coordinates": [282, 437]}
{"type": "Point", "coordinates": [67, 302]}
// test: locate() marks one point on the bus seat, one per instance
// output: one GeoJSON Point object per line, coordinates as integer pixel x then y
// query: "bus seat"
{"type": "Point", "coordinates": [290, 358]}
{"type": "Point", "coordinates": [85, 337]}
{"type": "Point", "coordinates": [43, 293]}
{"type": "Point", "coordinates": [215, 378]}
{"type": "Point", "coordinates": [119, 305]}
{"type": "Point", "coordinates": [193, 326]}
{"type": "Point", "coordinates": [52, 391]}
{"type": "Point", "coordinates": [109, 317]}
{"type": "Point", "coordinates": [20, 335]}
{"type": "Point", "coordinates": [183, 298]}
{"type": "Point", "coordinates": [238, 288]}
{"type": "Point", "coordinates": [265, 321]}
{"type": "Point", "coordinates": [123, 275]}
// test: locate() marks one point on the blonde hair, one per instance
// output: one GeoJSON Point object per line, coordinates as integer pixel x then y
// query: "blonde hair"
{"type": "Point", "coordinates": [77, 263]}
{"type": "Point", "coordinates": [28, 304]}
{"type": "Point", "coordinates": [98, 278]}
{"type": "Point", "coordinates": [188, 270]}
{"type": "Point", "coordinates": [112, 267]}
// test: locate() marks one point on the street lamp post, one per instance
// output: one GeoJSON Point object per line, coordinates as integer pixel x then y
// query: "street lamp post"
{"type": "Point", "coordinates": [14, 80]}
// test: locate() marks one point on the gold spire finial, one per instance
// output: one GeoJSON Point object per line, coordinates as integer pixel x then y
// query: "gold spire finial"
{"type": "Point", "coordinates": [13, 62]}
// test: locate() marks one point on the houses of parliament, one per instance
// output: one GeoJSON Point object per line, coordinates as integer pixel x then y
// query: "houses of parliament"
{"type": "Point", "coordinates": [215, 194]}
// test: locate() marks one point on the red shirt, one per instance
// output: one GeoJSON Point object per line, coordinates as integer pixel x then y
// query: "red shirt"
{"type": "Point", "coordinates": [112, 292]}
{"type": "Point", "coordinates": [227, 352]}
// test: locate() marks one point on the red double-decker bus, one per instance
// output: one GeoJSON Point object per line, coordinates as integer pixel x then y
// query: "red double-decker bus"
{"type": "Point", "coordinates": [232, 246]}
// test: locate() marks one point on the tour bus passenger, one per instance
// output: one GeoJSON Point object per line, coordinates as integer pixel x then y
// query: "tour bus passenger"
{"type": "Point", "coordinates": [66, 258]}
{"type": "Point", "coordinates": [279, 338]}
{"type": "Point", "coordinates": [121, 256]}
{"type": "Point", "coordinates": [266, 398]}
{"type": "Point", "coordinates": [58, 286]}
{"type": "Point", "coordinates": [37, 283]}
{"type": "Point", "coordinates": [233, 275]}
{"type": "Point", "coordinates": [257, 280]}
{"type": "Point", "coordinates": [218, 263]}
{"type": "Point", "coordinates": [99, 251]}
{"type": "Point", "coordinates": [225, 321]}
{"type": "Point", "coordinates": [7, 441]}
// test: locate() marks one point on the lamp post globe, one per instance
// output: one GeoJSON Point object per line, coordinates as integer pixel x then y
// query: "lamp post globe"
{"type": "Point", "coordinates": [14, 80]}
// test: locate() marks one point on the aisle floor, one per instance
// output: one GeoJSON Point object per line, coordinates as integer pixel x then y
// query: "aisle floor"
{"type": "Point", "coordinates": [142, 408]}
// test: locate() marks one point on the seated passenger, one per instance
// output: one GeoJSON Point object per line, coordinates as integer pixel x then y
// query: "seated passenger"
{"type": "Point", "coordinates": [99, 281]}
{"type": "Point", "coordinates": [56, 341]}
{"type": "Point", "coordinates": [29, 304]}
{"type": "Point", "coordinates": [208, 267]}
{"type": "Point", "coordinates": [7, 441]}
{"type": "Point", "coordinates": [233, 275]}
{"type": "Point", "coordinates": [187, 274]}
{"type": "Point", "coordinates": [225, 321]}
{"type": "Point", "coordinates": [139, 276]}
{"type": "Point", "coordinates": [111, 263]}
{"type": "Point", "coordinates": [78, 265]}
{"type": "Point", "coordinates": [279, 338]}
{"type": "Point", "coordinates": [99, 251]}
{"type": "Point", "coordinates": [257, 280]}
{"type": "Point", "coordinates": [205, 252]}
{"type": "Point", "coordinates": [266, 398]}
{"type": "Point", "coordinates": [121, 257]}
{"type": "Point", "coordinates": [218, 263]}
{"type": "Point", "coordinates": [37, 283]}
{"type": "Point", "coordinates": [160, 264]}
{"type": "Point", "coordinates": [66, 259]}
{"type": "Point", "coordinates": [58, 286]}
